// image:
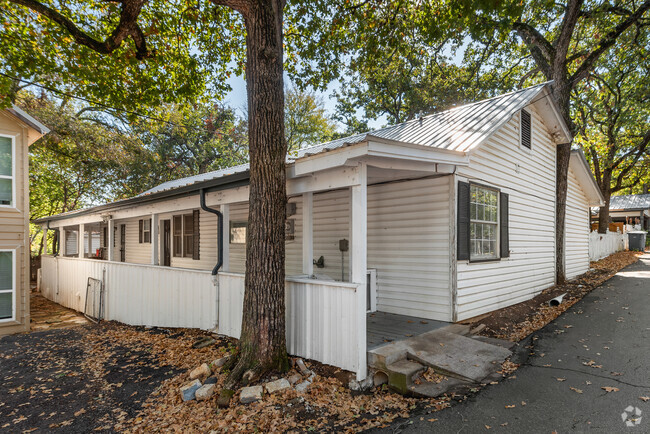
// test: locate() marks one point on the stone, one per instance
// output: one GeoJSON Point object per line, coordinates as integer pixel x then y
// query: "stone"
{"type": "Point", "coordinates": [250, 394]}
{"type": "Point", "coordinates": [303, 386]}
{"type": "Point", "coordinates": [302, 368]}
{"type": "Point", "coordinates": [206, 391]}
{"type": "Point", "coordinates": [188, 391]}
{"type": "Point", "coordinates": [218, 363]}
{"type": "Point", "coordinates": [202, 371]}
{"type": "Point", "coordinates": [203, 342]}
{"type": "Point", "coordinates": [210, 380]}
{"type": "Point", "coordinates": [295, 378]}
{"type": "Point", "coordinates": [277, 385]}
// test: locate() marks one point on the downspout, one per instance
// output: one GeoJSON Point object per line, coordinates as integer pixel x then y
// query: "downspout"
{"type": "Point", "coordinates": [219, 263]}
{"type": "Point", "coordinates": [204, 207]}
{"type": "Point", "coordinates": [55, 246]}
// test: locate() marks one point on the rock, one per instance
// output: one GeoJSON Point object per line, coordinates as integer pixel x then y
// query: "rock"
{"type": "Point", "coordinates": [203, 342]}
{"type": "Point", "coordinates": [295, 378]}
{"type": "Point", "coordinates": [224, 398]}
{"type": "Point", "coordinates": [303, 386]}
{"type": "Point", "coordinates": [210, 380]}
{"type": "Point", "coordinates": [188, 391]}
{"type": "Point", "coordinates": [302, 368]}
{"type": "Point", "coordinates": [218, 363]}
{"type": "Point", "coordinates": [248, 377]}
{"type": "Point", "coordinates": [352, 385]}
{"type": "Point", "coordinates": [250, 394]}
{"type": "Point", "coordinates": [202, 371]}
{"type": "Point", "coordinates": [206, 391]}
{"type": "Point", "coordinates": [367, 383]}
{"type": "Point", "coordinates": [277, 385]}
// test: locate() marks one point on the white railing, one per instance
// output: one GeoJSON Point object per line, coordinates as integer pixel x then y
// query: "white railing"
{"type": "Point", "coordinates": [603, 245]}
{"type": "Point", "coordinates": [135, 294]}
{"type": "Point", "coordinates": [325, 320]}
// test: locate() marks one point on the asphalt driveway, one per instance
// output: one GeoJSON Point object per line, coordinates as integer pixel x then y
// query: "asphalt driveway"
{"type": "Point", "coordinates": [589, 370]}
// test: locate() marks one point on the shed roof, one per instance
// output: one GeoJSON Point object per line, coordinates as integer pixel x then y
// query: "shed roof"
{"type": "Point", "coordinates": [29, 120]}
{"type": "Point", "coordinates": [630, 202]}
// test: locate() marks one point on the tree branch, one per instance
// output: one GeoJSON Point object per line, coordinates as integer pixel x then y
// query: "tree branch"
{"type": "Point", "coordinates": [127, 27]}
{"type": "Point", "coordinates": [607, 41]}
{"type": "Point", "coordinates": [542, 50]}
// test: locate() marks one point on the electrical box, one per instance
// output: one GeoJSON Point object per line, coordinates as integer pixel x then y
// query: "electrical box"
{"type": "Point", "coordinates": [344, 245]}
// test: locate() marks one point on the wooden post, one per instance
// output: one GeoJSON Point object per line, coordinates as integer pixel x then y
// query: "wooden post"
{"type": "Point", "coordinates": [225, 210]}
{"type": "Point", "coordinates": [111, 239]}
{"type": "Point", "coordinates": [80, 240]}
{"type": "Point", "coordinates": [154, 239]}
{"type": "Point", "coordinates": [358, 261]}
{"type": "Point", "coordinates": [308, 233]}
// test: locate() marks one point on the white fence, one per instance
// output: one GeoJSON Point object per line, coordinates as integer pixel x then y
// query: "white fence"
{"type": "Point", "coordinates": [134, 294]}
{"type": "Point", "coordinates": [322, 319]}
{"type": "Point", "coordinates": [603, 245]}
{"type": "Point", "coordinates": [326, 321]}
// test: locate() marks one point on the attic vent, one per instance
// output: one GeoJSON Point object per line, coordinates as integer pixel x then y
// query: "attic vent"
{"type": "Point", "coordinates": [525, 128]}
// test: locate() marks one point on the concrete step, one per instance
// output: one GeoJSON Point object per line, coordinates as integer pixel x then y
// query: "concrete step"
{"type": "Point", "coordinates": [401, 374]}
{"type": "Point", "coordinates": [381, 357]}
{"type": "Point", "coordinates": [494, 341]}
{"type": "Point", "coordinates": [455, 355]}
{"type": "Point", "coordinates": [433, 390]}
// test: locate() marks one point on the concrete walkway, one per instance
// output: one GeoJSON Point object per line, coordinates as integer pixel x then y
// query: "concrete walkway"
{"type": "Point", "coordinates": [601, 342]}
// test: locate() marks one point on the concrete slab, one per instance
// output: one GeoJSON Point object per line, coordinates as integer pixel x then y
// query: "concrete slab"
{"type": "Point", "coordinates": [383, 356]}
{"type": "Point", "coordinates": [401, 373]}
{"type": "Point", "coordinates": [433, 390]}
{"type": "Point", "coordinates": [498, 342]}
{"type": "Point", "coordinates": [458, 356]}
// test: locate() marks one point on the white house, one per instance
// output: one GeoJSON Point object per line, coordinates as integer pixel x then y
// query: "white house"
{"type": "Point", "coordinates": [441, 218]}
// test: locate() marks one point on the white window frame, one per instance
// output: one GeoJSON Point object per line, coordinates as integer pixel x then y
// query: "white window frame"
{"type": "Point", "coordinates": [13, 284]}
{"type": "Point", "coordinates": [497, 249]}
{"type": "Point", "coordinates": [13, 172]}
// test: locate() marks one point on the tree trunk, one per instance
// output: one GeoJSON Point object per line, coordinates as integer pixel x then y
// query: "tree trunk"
{"type": "Point", "coordinates": [603, 213]}
{"type": "Point", "coordinates": [262, 345]}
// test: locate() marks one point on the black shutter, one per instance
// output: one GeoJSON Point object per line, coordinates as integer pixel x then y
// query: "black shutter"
{"type": "Point", "coordinates": [140, 224]}
{"type": "Point", "coordinates": [525, 129]}
{"type": "Point", "coordinates": [195, 235]}
{"type": "Point", "coordinates": [503, 223]}
{"type": "Point", "coordinates": [463, 221]}
{"type": "Point", "coordinates": [150, 231]}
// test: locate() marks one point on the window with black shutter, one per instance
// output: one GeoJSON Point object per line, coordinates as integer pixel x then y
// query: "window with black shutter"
{"type": "Point", "coordinates": [463, 221]}
{"type": "Point", "coordinates": [525, 129]}
{"type": "Point", "coordinates": [186, 235]}
{"type": "Point", "coordinates": [504, 230]}
{"type": "Point", "coordinates": [195, 235]}
{"type": "Point", "coordinates": [178, 235]}
{"type": "Point", "coordinates": [144, 229]}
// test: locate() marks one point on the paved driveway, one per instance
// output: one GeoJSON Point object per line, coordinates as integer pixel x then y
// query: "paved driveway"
{"type": "Point", "coordinates": [601, 342]}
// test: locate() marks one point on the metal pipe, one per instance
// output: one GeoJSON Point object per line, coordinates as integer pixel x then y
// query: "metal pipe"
{"type": "Point", "coordinates": [55, 243]}
{"type": "Point", "coordinates": [204, 207]}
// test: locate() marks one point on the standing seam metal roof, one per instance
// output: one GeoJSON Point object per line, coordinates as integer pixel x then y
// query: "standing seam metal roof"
{"type": "Point", "coordinates": [459, 129]}
{"type": "Point", "coordinates": [631, 202]}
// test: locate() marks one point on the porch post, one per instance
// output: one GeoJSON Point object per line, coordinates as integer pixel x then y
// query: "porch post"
{"type": "Point", "coordinates": [44, 240]}
{"type": "Point", "coordinates": [63, 241]}
{"type": "Point", "coordinates": [308, 233]}
{"type": "Point", "coordinates": [111, 239]}
{"type": "Point", "coordinates": [358, 260]}
{"type": "Point", "coordinates": [154, 239]}
{"type": "Point", "coordinates": [225, 211]}
{"type": "Point", "coordinates": [80, 240]}
{"type": "Point", "coordinates": [90, 243]}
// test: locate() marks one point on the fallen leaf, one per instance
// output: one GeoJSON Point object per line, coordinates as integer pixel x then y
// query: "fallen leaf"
{"type": "Point", "coordinates": [487, 427]}
{"type": "Point", "coordinates": [610, 389]}
{"type": "Point", "coordinates": [80, 412]}
{"type": "Point", "coordinates": [510, 406]}
{"type": "Point", "coordinates": [575, 390]}
{"type": "Point", "coordinates": [644, 398]}
{"type": "Point", "coordinates": [432, 420]}
{"type": "Point", "coordinates": [561, 379]}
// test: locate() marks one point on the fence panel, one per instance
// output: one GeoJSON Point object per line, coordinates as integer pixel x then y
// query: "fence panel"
{"type": "Point", "coordinates": [603, 245]}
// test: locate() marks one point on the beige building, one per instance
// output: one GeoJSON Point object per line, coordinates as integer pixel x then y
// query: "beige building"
{"type": "Point", "coordinates": [18, 130]}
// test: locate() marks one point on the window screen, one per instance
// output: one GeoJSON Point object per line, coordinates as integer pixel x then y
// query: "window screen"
{"type": "Point", "coordinates": [6, 284]}
{"type": "Point", "coordinates": [6, 171]}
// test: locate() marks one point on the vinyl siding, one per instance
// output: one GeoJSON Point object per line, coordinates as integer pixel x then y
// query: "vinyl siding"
{"type": "Point", "coordinates": [238, 213]}
{"type": "Point", "coordinates": [208, 225]}
{"type": "Point", "coordinates": [577, 229]}
{"type": "Point", "coordinates": [528, 177]}
{"type": "Point", "coordinates": [408, 245]}
{"type": "Point", "coordinates": [332, 223]}
{"type": "Point", "coordinates": [14, 221]}
{"type": "Point", "coordinates": [136, 253]}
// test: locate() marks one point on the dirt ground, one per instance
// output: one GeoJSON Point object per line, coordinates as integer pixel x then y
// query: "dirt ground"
{"type": "Point", "coordinates": [47, 315]}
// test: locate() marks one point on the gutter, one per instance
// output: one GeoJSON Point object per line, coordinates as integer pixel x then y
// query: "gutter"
{"type": "Point", "coordinates": [231, 181]}
{"type": "Point", "coordinates": [219, 215]}
{"type": "Point", "coordinates": [55, 246]}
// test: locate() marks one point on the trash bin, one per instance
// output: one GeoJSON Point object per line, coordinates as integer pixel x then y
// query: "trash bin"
{"type": "Point", "coordinates": [637, 240]}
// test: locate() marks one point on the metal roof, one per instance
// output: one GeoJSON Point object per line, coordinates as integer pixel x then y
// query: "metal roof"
{"type": "Point", "coordinates": [196, 178]}
{"type": "Point", "coordinates": [459, 129]}
{"type": "Point", "coordinates": [630, 202]}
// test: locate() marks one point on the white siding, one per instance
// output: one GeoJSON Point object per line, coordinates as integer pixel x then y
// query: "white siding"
{"type": "Point", "coordinates": [293, 262]}
{"type": "Point", "coordinates": [238, 213]}
{"type": "Point", "coordinates": [331, 224]}
{"type": "Point", "coordinates": [408, 245]}
{"type": "Point", "coordinates": [528, 177]}
{"type": "Point", "coordinates": [136, 252]}
{"type": "Point", "coordinates": [208, 224]}
{"type": "Point", "coordinates": [577, 229]}
{"type": "Point", "coordinates": [71, 243]}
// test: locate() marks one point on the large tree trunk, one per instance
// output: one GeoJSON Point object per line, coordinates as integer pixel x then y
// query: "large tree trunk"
{"type": "Point", "coordinates": [603, 213]}
{"type": "Point", "coordinates": [262, 345]}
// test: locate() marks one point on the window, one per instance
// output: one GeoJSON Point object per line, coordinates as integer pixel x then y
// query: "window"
{"type": "Point", "coordinates": [6, 171]}
{"type": "Point", "coordinates": [145, 230]}
{"type": "Point", "coordinates": [186, 235]}
{"type": "Point", "coordinates": [238, 232]}
{"type": "Point", "coordinates": [484, 223]}
{"type": "Point", "coordinates": [7, 285]}
{"type": "Point", "coordinates": [525, 129]}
